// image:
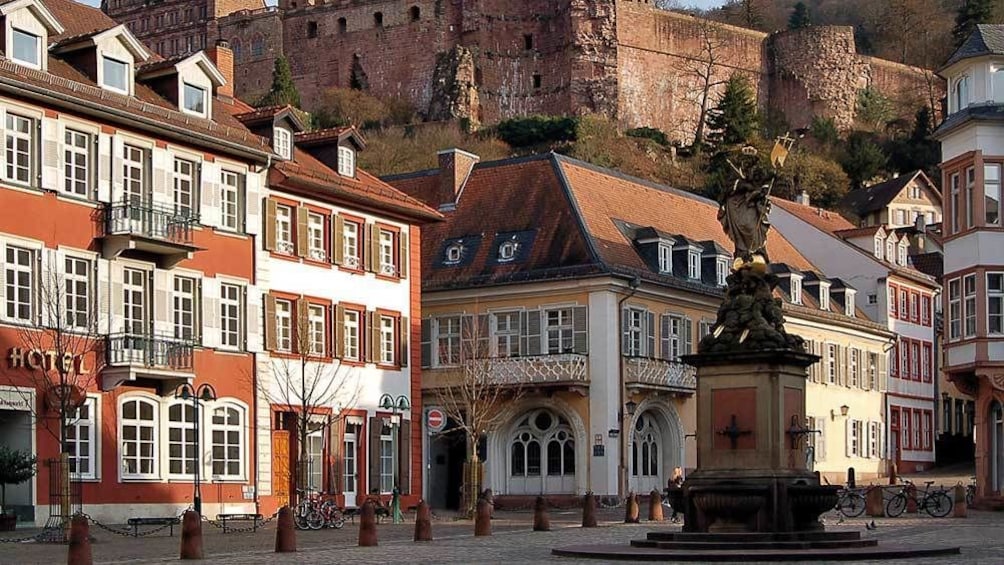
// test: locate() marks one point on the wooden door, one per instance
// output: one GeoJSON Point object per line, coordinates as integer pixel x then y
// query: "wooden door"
{"type": "Point", "coordinates": [281, 477]}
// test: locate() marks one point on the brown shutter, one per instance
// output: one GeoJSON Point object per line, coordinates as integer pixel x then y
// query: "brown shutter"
{"type": "Point", "coordinates": [404, 457]}
{"type": "Point", "coordinates": [269, 226]}
{"type": "Point", "coordinates": [337, 243]}
{"type": "Point", "coordinates": [404, 333]}
{"type": "Point", "coordinates": [371, 345]}
{"type": "Point", "coordinates": [270, 327]}
{"type": "Point", "coordinates": [374, 451]}
{"type": "Point", "coordinates": [338, 325]}
{"type": "Point", "coordinates": [301, 327]}
{"type": "Point", "coordinates": [335, 447]}
{"type": "Point", "coordinates": [402, 259]}
{"type": "Point", "coordinates": [302, 236]}
{"type": "Point", "coordinates": [366, 246]}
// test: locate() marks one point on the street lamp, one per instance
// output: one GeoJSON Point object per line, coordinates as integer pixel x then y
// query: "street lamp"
{"type": "Point", "coordinates": [203, 393]}
{"type": "Point", "coordinates": [395, 405]}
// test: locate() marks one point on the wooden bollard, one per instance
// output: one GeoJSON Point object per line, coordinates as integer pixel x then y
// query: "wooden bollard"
{"type": "Point", "coordinates": [961, 508]}
{"type": "Point", "coordinates": [589, 510]}
{"type": "Point", "coordinates": [541, 521]}
{"type": "Point", "coordinates": [483, 518]}
{"type": "Point", "coordinates": [80, 542]}
{"type": "Point", "coordinates": [655, 507]}
{"type": "Point", "coordinates": [423, 522]}
{"type": "Point", "coordinates": [285, 533]}
{"type": "Point", "coordinates": [911, 499]}
{"type": "Point", "coordinates": [632, 514]}
{"type": "Point", "coordinates": [874, 504]}
{"type": "Point", "coordinates": [191, 535]}
{"type": "Point", "coordinates": [367, 525]}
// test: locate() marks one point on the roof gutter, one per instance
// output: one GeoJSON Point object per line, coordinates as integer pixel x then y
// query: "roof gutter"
{"type": "Point", "coordinates": [331, 190]}
{"type": "Point", "coordinates": [98, 111]}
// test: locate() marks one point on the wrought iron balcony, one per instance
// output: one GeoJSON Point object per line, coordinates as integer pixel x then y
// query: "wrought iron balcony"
{"type": "Point", "coordinates": [558, 369]}
{"type": "Point", "coordinates": [644, 372]}
{"type": "Point", "coordinates": [131, 356]}
{"type": "Point", "coordinates": [150, 228]}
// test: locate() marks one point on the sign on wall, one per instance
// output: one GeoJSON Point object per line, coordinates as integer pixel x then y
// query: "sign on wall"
{"type": "Point", "coordinates": [19, 400]}
{"type": "Point", "coordinates": [435, 419]}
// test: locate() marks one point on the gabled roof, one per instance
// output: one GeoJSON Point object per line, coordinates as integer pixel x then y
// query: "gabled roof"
{"type": "Point", "coordinates": [983, 112]}
{"type": "Point", "coordinates": [77, 19]}
{"type": "Point", "coordinates": [41, 11]}
{"type": "Point", "coordinates": [75, 42]}
{"type": "Point", "coordinates": [330, 135]}
{"type": "Point", "coordinates": [858, 232]}
{"type": "Point", "coordinates": [986, 39]}
{"type": "Point", "coordinates": [863, 201]}
{"type": "Point", "coordinates": [170, 66]}
{"type": "Point", "coordinates": [271, 113]}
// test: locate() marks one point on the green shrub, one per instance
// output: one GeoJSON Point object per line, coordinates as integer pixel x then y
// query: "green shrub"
{"type": "Point", "coordinates": [654, 134]}
{"type": "Point", "coordinates": [537, 130]}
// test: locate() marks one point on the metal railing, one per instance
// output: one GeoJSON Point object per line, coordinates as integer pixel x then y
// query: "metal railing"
{"type": "Point", "coordinates": [150, 350]}
{"type": "Point", "coordinates": [149, 220]}
{"type": "Point", "coordinates": [659, 373]}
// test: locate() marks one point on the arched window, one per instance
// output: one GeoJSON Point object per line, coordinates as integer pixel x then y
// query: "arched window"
{"type": "Point", "coordinates": [138, 436]}
{"type": "Point", "coordinates": [181, 441]}
{"type": "Point", "coordinates": [542, 428]}
{"type": "Point", "coordinates": [343, 25]}
{"type": "Point", "coordinates": [415, 13]}
{"type": "Point", "coordinates": [378, 19]}
{"type": "Point", "coordinates": [960, 94]}
{"type": "Point", "coordinates": [645, 448]}
{"type": "Point", "coordinates": [257, 46]}
{"type": "Point", "coordinates": [228, 441]}
{"type": "Point", "coordinates": [236, 47]}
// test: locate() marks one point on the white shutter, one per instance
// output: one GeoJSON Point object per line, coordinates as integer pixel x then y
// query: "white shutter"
{"type": "Point", "coordinates": [102, 295]}
{"type": "Point", "coordinates": [52, 172]}
{"type": "Point", "coordinates": [881, 446]}
{"type": "Point", "coordinates": [163, 284]}
{"type": "Point", "coordinates": [253, 317]}
{"type": "Point", "coordinates": [51, 287]}
{"type": "Point", "coordinates": [116, 148]}
{"type": "Point", "coordinates": [162, 167]}
{"type": "Point", "coordinates": [209, 197]}
{"type": "Point", "coordinates": [210, 312]}
{"type": "Point", "coordinates": [115, 298]}
{"type": "Point", "coordinates": [252, 202]}
{"type": "Point", "coordinates": [848, 432]}
{"type": "Point", "coordinates": [821, 439]}
{"type": "Point", "coordinates": [103, 166]}
{"type": "Point", "coordinates": [869, 433]}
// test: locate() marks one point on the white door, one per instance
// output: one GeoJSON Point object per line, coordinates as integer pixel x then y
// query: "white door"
{"type": "Point", "coordinates": [350, 471]}
{"type": "Point", "coordinates": [315, 461]}
{"type": "Point", "coordinates": [646, 456]}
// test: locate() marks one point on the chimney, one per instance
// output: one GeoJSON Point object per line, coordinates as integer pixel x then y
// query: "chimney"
{"type": "Point", "coordinates": [455, 167]}
{"type": "Point", "coordinates": [803, 198]}
{"type": "Point", "coordinates": [920, 223]}
{"type": "Point", "coordinates": [221, 56]}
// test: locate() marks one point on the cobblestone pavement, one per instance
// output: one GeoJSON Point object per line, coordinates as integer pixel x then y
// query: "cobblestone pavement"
{"type": "Point", "coordinates": [979, 536]}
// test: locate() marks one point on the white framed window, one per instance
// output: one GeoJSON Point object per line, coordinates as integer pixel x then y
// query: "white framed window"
{"type": "Point", "coordinates": [997, 84]}
{"type": "Point", "coordinates": [796, 290]}
{"type": "Point", "coordinates": [970, 196]}
{"type": "Point", "coordinates": [387, 458]}
{"type": "Point", "coordinates": [954, 309]}
{"type": "Point", "coordinates": [899, 217]}
{"type": "Point", "coordinates": [19, 149]}
{"type": "Point", "coordinates": [878, 247]}
{"type": "Point", "coordinates": [722, 271]}
{"type": "Point", "coordinates": [283, 325]}
{"type": "Point", "coordinates": [956, 200]}
{"type": "Point", "coordinates": [77, 291]}
{"type": "Point", "coordinates": [231, 210]}
{"type": "Point", "coordinates": [874, 436]}
{"type": "Point", "coordinates": [388, 340]}
{"type": "Point", "coordinates": [315, 237]}
{"type": "Point", "coordinates": [133, 174]}
{"type": "Point", "coordinates": [506, 333]}
{"type": "Point", "coordinates": [19, 284]}
{"type": "Point", "coordinates": [672, 337]}
{"type": "Point", "coordinates": [184, 188]}
{"type": "Point", "coordinates": [284, 229]}
{"type": "Point", "coordinates": [507, 251]}
{"type": "Point", "coordinates": [447, 340]}
{"type": "Point", "coordinates": [386, 241]}
{"type": "Point", "coordinates": [231, 308]}
{"type": "Point", "coordinates": [115, 74]}
{"type": "Point", "coordinates": [181, 440]}
{"type": "Point", "coordinates": [854, 438]}
{"type": "Point", "coordinates": [227, 425]}
{"type": "Point", "coordinates": [995, 303]}
{"type": "Point", "coordinates": [824, 296]}
{"type": "Point", "coordinates": [351, 335]}
{"type": "Point", "coordinates": [138, 436]}
{"type": "Point", "coordinates": [831, 363]}
{"type": "Point", "coordinates": [694, 265]}
{"type": "Point", "coordinates": [992, 190]}
{"type": "Point", "coordinates": [195, 100]}
{"type": "Point", "coordinates": [873, 375]}
{"type": "Point", "coordinates": [183, 301]}
{"type": "Point", "coordinates": [635, 331]}
{"type": "Point", "coordinates": [704, 328]}
{"type": "Point", "coordinates": [346, 161]}
{"type": "Point", "coordinates": [960, 93]}
{"type": "Point", "coordinates": [26, 47]}
{"type": "Point", "coordinates": [81, 439]}
{"type": "Point", "coordinates": [855, 368]}
{"type": "Point", "coordinates": [872, 299]}
{"type": "Point", "coordinates": [318, 329]}
{"type": "Point", "coordinates": [134, 303]}
{"type": "Point", "coordinates": [969, 304]}
{"type": "Point", "coordinates": [890, 250]}
{"type": "Point", "coordinates": [901, 257]}
{"type": "Point", "coordinates": [76, 162]}
{"type": "Point", "coordinates": [282, 141]}
{"type": "Point", "coordinates": [454, 253]}
{"type": "Point", "coordinates": [350, 245]}
{"type": "Point", "coordinates": [849, 302]}
{"type": "Point", "coordinates": [559, 331]}
{"type": "Point", "coordinates": [665, 259]}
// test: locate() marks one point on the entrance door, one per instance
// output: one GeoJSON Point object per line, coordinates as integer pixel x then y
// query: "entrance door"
{"type": "Point", "coordinates": [281, 476]}
{"type": "Point", "coordinates": [646, 455]}
{"type": "Point", "coordinates": [996, 448]}
{"type": "Point", "coordinates": [894, 438]}
{"type": "Point", "coordinates": [350, 471]}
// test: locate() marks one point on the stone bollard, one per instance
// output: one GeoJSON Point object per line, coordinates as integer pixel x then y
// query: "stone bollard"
{"type": "Point", "coordinates": [631, 511]}
{"type": "Point", "coordinates": [541, 520]}
{"type": "Point", "coordinates": [285, 533]}
{"type": "Point", "coordinates": [655, 507]}
{"type": "Point", "coordinates": [961, 508]}
{"type": "Point", "coordinates": [80, 542]}
{"type": "Point", "coordinates": [589, 510]}
{"type": "Point", "coordinates": [367, 525]}
{"type": "Point", "coordinates": [911, 499]}
{"type": "Point", "coordinates": [483, 518]}
{"type": "Point", "coordinates": [423, 522]}
{"type": "Point", "coordinates": [874, 504]}
{"type": "Point", "coordinates": [191, 535]}
{"type": "Point", "coordinates": [851, 482]}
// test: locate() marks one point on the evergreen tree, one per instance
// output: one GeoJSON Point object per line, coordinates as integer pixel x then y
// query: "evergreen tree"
{"type": "Point", "coordinates": [862, 158]}
{"type": "Point", "coordinates": [799, 17]}
{"type": "Point", "coordinates": [283, 90]}
{"type": "Point", "coordinates": [970, 13]}
{"type": "Point", "coordinates": [735, 119]}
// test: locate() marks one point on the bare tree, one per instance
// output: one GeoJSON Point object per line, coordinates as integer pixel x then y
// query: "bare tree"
{"type": "Point", "coordinates": [703, 69]}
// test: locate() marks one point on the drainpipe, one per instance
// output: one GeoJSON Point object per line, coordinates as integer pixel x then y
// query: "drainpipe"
{"type": "Point", "coordinates": [633, 285]}
{"type": "Point", "coordinates": [254, 356]}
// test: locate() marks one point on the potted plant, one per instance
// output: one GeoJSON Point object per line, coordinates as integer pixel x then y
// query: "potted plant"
{"type": "Point", "coordinates": [16, 467]}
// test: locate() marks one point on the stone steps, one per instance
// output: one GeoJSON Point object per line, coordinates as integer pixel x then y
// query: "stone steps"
{"type": "Point", "coordinates": [741, 554]}
{"type": "Point", "coordinates": [738, 537]}
{"type": "Point", "coordinates": [789, 545]}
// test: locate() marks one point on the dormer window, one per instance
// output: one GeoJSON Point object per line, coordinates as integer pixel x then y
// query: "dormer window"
{"type": "Point", "coordinates": [346, 162]}
{"type": "Point", "coordinates": [665, 259]}
{"type": "Point", "coordinates": [824, 296]}
{"type": "Point", "coordinates": [27, 48]}
{"type": "Point", "coordinates": [796, 289]}
{"type": "Point", "coordinates": [507, 251]}
{"type": "Point", "coordinates": [722, 271]}
{"type": "Point", "coordinates": [878, 246]}
{"type": "Point", "coordinates": [960, 94]}
{"type": "Point", "coordinates": [194, 101]}
{"type": "Point", "coordinates": [115, 75]}
{"type": "Point", "coordinates": [901, 259]}
{"type": "Point", "coordinates": [890, 250]}
{"type": "Point", "coordinates": [454, 253]}
{"type": "Point", "coordinates": [282, 143]}
{"type": "Point", "coordinates": [694, 265]}
{"type": "Point", "coordinates": [849, 302]}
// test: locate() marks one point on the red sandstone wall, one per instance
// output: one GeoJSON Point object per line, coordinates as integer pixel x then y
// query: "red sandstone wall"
{"type": "Point", "coordinates": [253, 73]}
{"type": "Point", "coordinates": [909, 87]}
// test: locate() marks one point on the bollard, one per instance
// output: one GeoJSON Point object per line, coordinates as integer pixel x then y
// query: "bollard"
{"type": "Point", "coordinates": [589, 510]}
{"type": "Point", "coordinates": [874, 504]}
{"type": "Point", "coordinates": [893, 473]}
{"type": "Point", "coordinates": [631, 510]}
{"type": "Point", "coordinates": [483, 518]}
{"type": "Point", "coordinates": [367, 525]}
{"type": "Point", "coordinates": [911, 499]}
{"type": "Point", "coordinates": [655, 507]}
{"type": "Point", "coordinates": [285, 533]}
{"type": "Point", "coordinates": [851, 482]}
{"type": "Point", "coordinates": [961, 508]}
{"type": "Point", "coordinates": [423, 522]}
{"type": "Point", "coordinates": [80, 542]}
{"type": "Point", "coordinates": [191, 535]}
{"type": "Point", "coordinates": [541, 521]}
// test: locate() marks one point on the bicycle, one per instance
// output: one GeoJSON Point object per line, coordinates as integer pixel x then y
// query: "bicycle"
{"type": "Point", "coordinates": [971, 491]}
{"type": "Point", "coordinates": [850, 503]}
{"type": "Point", "coordinates": [313, 514]}
{"type": "Point", "coordinates": [936, 503]}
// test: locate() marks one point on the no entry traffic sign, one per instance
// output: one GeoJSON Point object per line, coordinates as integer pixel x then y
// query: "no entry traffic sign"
{"type": "Point", "coordinates": [435, 420]}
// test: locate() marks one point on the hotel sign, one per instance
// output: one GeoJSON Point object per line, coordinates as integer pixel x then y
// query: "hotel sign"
{"type": "Point", "coordinates": [14, 399]}
{"type": "Point", "coordinates": [35, 359]}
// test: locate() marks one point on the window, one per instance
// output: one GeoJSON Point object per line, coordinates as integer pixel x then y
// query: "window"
{"type": "Point", "coordinates": [904, 304]}
{"type": "Point", "coordinates": [346, 161]}
{"type": "Point", "coordinates": [890, 250]}
{"type": "Point", "coordinates": [970, 195]}
{"type": "Point", "coordinates": [387, 459]}
{"type": "Point", "coordinates": [915, 360]}
{"type": "Point", "coordinates": [926, 360]}
{"type": "Point", "coordinates": [81, 438]}
{"type": "Point", "coordinates": [969, 304]}
{"type": "Point", "coordinates": [915, 192]}
{"type": "Point", "coordinates": [960, 94]}
{"type": "Point", "coordinates": [956, 201]}
{"type": "Point", "coordinates": [283, 143]}
{"type": "Point", "coordinates": [960, 425]}
{"type": "Point", "coordinates": [138, 434]}
{"type": "Point", "coordinates": [665, 259]}
{"type": "Point", "coordinates": [878, 246]}
{"type": "Point", "coordinates": [20, 149]}
{"type": "Point", "coordinates": [704, 328]}
{"type": "Point", "coordinates": [925, 310]}
{"type": "Point", "coordinates": [872, 299]}
{"type": "Point", "coordinates": [528, 41]}
{"type": "Point", "coordinates": [927, 429]}
{"type": "Point", "coordinates": [506, 332]}
{"type": "Point", "coordinates": [831, 363]}
{"type": "Point", "coordinates": [635, 331]}
{"type": "Point", "coordinates": [27, 48]}
{"type": "Point", "coordinates": [899, 217]}
{"type": "Point", "coordinates": [906, 440]}
{"type": "Point", "coordinates": [946, 415]}
{"type": "Point", "coordinates": [796, 290]}
{"type": "Point", "coordinates": [694, 265]}
{"type": "Point", "coordinates": [257, 46]}
{"type": "Point", "coordinates": [904, 359]}
{"type": "Point", "coordinates": [133, 174]}
{"type": "Point", "coordinates": [316, 318]}
{"type": "Point", "coordinates": [184, 188]}
{"type": "Point", "coordinates": [284, 229]}
{"type": "Point", "coordinates": [914, 307]}
{"type": "Point", "coordinates": [77, 291]}
{"type": "Point", "coordinates": [76, 162]}
{"type": "Point", "coordinates": [448, 340]}
{"type": "Point", "coordinates": [415, 13]}
{"type": "Point", "coordinates": [849, 296]}
{"type": "Point", "coordinates": [507, 251]}
{"type": "Point", "coordinates": [351, 249]}
{"type": "Point", "coordinates": [997, 84]}
{"type": "Point", "coordinates": [995, 303]}
{"type": "Point", "coordinates": [672, 337]}
{"type": "Point", "coordinates": [115, 74]}
{"type": "Point", "coordinates": [134, 292]}
{"type": "Point", "coordinates": [343, 25]}
{"type": "Point", "coordinates": [388, 340]}
{"type": "Point", "coordinates": [283, 325]}
{"type": "Point", "coordinates": [874, 434]}
{"type": "Point", "coordinates": [722, 271]}
{"type": "Point", "coordinates": [855, 368]}
{"type": "Point", "coordinates": [559, 330]}
{"type": "Point", "coordinates": [378, 19]}
{"type": "Point", "coordinates": [454, 254]}
{"type": "Point", "coordinates": [231, 302]}
{"type": "Point", "coordinates": [315, 237]}
{"type": "Point", "coordinates": [854, 439]}
{"type": "Point", "coordinates": [184, 299]}
{"type": "Point", "coordinates": [992, 189]}
{"type": "Point", "coordinates": [386, 249]}
{"type": "Point", "coordinates": [311, 30]}
{"type": "Point", "coordinates": [954, 309]}
{"type": "Point", "coordinates": [901, 257]}
{"type": "Point", "coordinates": [917, 430]}
{"type": "Point", "coordinates": [181, 441]}
{"type": "Point", "coordinates": [538, 81]}
{"type": "Point", "coordinates": [195, 100]}
{"type": "Point", "coordinates": [228, 442]}
{"type": "Point", "coordinates": [19, 284]}
{"type": "Point", "coordinates": [873, 376]}
{"type": "Point", "coordinates": [232, 214]}
{"type": "Point", "coordinates": [824, 296]}
{"type": "Point", "coordinates": [351, 335]}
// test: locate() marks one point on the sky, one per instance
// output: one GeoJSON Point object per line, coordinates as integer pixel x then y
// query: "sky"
{"type": "Point", "coordinates": [703, 4]}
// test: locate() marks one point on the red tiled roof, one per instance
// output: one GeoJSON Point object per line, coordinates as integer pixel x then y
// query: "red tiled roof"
{"type": "Point", "coordinates": [77, 19]}
{"type": "Point", "coordinates": [323, 134]}
{"type": "Point", "coordinates": [825, 220]}
{"type": "Point", "coordinates": [855, 232]}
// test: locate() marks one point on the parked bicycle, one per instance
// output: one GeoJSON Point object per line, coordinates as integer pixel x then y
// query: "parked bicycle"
{"type": "Point", "coordinates": [850, 503]}
{"type": "Point", "coordinates": [970, 491]}
{"type": "Point", "coordinates": [313, 513]}
{"type": "Point", "coordinates": [937, 503]}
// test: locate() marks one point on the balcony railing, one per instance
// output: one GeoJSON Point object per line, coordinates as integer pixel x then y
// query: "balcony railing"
{"type": "Point", "coordinates": [150, 221]}
{"type": "Point", "coordinates": [659, 373]}
{"type": "Point", "coordinates": [150, 351]}
{"type": "Point", "coordinates": [566, 368]}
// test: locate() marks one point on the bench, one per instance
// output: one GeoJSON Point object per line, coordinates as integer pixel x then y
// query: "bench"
{"type": "Point", "coordinates": [137, 522]}
{"type": "Point", "coordinates": [224, 518]}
